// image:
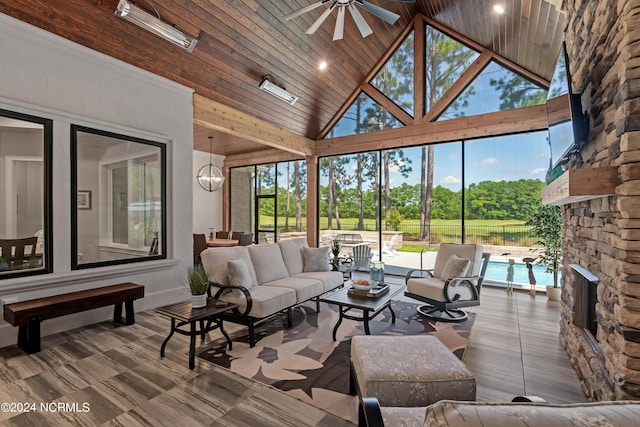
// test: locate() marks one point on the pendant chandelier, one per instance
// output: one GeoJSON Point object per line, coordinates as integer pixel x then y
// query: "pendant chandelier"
{"type": "Point", "coordinates": [210, 176]}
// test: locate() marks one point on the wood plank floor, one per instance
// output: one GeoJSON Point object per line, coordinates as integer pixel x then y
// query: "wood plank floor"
{"type": "Point", "coordinates": [113, 375]}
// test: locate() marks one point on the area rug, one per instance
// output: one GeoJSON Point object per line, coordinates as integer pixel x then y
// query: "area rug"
{"type": "Point", "coordinates": [306, 363]}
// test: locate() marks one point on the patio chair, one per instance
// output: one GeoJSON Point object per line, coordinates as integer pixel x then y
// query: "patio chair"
{"type": "Point", "coordinates": [454, 282]}
{"type": "Point", "coordinates": [387, 247]}
{"type": "Point", "coordinates": [359, 258]}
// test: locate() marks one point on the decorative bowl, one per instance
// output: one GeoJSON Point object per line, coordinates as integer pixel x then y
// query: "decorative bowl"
{"type": "Point", "coordinates": [364, 284]}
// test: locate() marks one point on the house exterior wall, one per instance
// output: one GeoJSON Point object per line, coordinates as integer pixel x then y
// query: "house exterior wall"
{"type": "Point", "coordinates": [603, 235]}
{"type": "Point", "coordinates": [47, 76]}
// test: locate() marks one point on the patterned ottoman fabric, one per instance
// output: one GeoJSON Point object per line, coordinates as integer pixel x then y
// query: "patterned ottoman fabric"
{"type": "Point", "coordinates": [482, 414]}
{"type": "Point", "coordinates": [409, 370]}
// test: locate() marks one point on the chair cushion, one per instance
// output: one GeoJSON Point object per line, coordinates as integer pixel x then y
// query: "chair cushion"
{"type": "Point", "coordinates": [292, 253]}
{"type": "Point", "coordinates": [316, 259]}
{"type": "Point", "coordinates": [470, 251]}
{"type": "Point", "coordinates": [428, 287]}
{"type": "Point", "coordinates": [403, 417]}
{"type": "Point", "coordinates": [238, 273]}
{"type": "Point", "coordinates": [477, 414]}
{"type": "Point", "coordinates": [455, 267]}
{"type": "Point", "coordinates": [267, 262]}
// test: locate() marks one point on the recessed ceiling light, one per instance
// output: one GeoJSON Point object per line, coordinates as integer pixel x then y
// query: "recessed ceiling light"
{"type": "Point", "coordinates": [322, 66]}
{"type": "Point", "coordinates": [498, 8]}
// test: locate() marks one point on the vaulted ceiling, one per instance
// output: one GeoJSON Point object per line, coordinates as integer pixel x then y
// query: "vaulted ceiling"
{"type": "Point", "coordinates": [240, 41]}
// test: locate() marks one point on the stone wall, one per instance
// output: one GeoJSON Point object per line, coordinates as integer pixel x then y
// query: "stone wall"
{"type": "Point", "coordinates": [603, 235]}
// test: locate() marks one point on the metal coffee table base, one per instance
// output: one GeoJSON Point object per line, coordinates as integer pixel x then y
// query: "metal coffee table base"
{"type": "Point", "coordinates": [364, 318]}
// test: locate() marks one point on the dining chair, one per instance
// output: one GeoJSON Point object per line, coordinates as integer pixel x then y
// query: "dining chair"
{"type": "Point", "coordinates": [222, 234]}
{"type": "Point", "coordinates": [199, 245]}
{"type": "Point", "coordinates": [235, 235]}
{"type": "Point", "coordinates": [15, 255]}
{"type": "Point", "coordinates": [246, 239]}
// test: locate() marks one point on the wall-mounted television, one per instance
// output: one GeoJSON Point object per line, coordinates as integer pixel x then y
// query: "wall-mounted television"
{"type": "Point", "coordinates": [568, 123]}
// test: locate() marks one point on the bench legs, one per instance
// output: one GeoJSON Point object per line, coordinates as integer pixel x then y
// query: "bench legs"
{"type": "Point", "coordinates": [129, 313]}
{"type": "Point", "coordinates": [29, 335]}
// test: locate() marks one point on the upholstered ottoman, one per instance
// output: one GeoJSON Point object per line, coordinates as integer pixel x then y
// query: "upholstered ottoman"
{"type": "Point", "coordinates": [408, 370]}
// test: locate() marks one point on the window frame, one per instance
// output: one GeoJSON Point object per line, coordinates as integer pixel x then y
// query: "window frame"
{"type": "Point", "coordinates": [47, 174]}
{"type": "Point", "coordinates": [75, 129]}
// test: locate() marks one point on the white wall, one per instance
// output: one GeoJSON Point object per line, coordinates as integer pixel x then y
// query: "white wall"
{"type": "Point", "coordinates": [207, 207]}
{"type": "Point", "coordinates": [47, 76]}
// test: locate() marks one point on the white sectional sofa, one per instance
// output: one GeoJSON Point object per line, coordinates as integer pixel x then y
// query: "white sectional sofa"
{"type": "Point", "coordinates": [265, 280]}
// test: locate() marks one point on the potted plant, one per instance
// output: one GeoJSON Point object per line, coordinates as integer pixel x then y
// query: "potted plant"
{"type": "Point", "coordinates": [546, 226]}
{"type": "Point", "coordinates": [198, 286]}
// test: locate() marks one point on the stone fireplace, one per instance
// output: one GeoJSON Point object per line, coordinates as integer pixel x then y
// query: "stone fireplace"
{"type": "Point", "coordinates": [602, 235]}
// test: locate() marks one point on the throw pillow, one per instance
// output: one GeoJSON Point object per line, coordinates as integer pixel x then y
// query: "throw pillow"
{"type": "Point", "coordinates": [316, 259]}
{"type": "Point", "coordinates": [238, 274]}
{"type": "Point", "coordinates": [455, 267]}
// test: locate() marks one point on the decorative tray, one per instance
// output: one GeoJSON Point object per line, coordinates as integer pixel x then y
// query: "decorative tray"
{"type": "Point", "coordinates": [374, 292]}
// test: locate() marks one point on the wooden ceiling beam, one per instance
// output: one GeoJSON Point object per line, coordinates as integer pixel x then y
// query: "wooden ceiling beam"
{"type": "Point", "coordinates": [271, 155]}
{"type": "Point", "coordinates": [214, 115]}
{"type": "Point", "coordinates": [525, 119]}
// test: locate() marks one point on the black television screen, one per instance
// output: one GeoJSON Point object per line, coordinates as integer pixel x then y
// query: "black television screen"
{"type": "Point", "coordinates": [568, 124]}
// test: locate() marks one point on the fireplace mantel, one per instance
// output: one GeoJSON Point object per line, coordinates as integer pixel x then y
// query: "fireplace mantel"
{"type": "Point", "coordinates": [576, 185]}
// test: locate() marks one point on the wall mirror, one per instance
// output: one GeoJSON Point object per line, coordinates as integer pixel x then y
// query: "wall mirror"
{"type": "Point", "coordinates": [119, 198]}
{"type": "Point", "coordinates": [25, 195]}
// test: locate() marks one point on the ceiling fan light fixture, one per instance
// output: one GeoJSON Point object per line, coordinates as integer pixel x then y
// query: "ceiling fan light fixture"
{"type": "Point", "coordinates": [142, 19]}
{"type": "Point", "coordinates": [277, 91]}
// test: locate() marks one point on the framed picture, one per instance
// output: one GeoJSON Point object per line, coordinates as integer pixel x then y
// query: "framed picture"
{"type": "Point", "coordinates": [84, 199]}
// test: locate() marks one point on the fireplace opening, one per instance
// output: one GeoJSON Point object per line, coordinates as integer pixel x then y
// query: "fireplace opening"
{"type": "Point", "coordinates": [585, 289]}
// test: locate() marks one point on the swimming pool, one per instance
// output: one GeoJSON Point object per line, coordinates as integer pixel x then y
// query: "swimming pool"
{"type": "Point", "coordinates": [497, 271]}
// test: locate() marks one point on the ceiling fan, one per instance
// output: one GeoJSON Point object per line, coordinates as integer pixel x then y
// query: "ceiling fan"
{"type": "Point", "coordinates": [341, 5]}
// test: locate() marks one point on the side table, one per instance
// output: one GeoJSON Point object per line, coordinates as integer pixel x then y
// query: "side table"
{"type": "Point", "coordinates": [182, 314]}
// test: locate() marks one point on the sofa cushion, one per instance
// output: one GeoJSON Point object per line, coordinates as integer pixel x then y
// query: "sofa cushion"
{"type": "Point", "coordinates": [238, 273]}
{"type": "Point", "coordinates": [316, 259]}
{"type": "Point", "coordinates": [214, 261]}
{"type": "Point", "coordinates": [330, 279]}
{"type": "Point", "coordinates": [266, 300]}
{"type": "Point", "coordinates": [477, 414]}
{"type": "Point", "coordinates": [267, 262]}
{"type": "Point", "coordinates": [455, 267]}
{"type": "Point", "coordinates": [292, 253]}
{"type": "Point", "coordinates": [305, 288]}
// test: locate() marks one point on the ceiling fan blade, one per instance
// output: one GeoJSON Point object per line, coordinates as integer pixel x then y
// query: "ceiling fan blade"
{"type": "Point", "coordinates": [362, 25]}
{"type": "Point", "coordinates": [304, 10]}
{"type": "Point", "coordinates": [384, 14]}
{"type": "Point", "coordinates": [312, 29]}
{"type": "Point", "coordinates": [338, 31]}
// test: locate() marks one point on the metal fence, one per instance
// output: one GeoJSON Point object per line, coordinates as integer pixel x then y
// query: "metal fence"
{"type": "Point", "coordinates": [499, 235]}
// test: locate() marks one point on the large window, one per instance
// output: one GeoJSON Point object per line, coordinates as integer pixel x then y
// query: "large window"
{"type": "Point", "coordinates": [119, 211]}
{"type": "Point", "coordinates": [269, 200]}
{"type": "Point", "coordinates": [25, 195]}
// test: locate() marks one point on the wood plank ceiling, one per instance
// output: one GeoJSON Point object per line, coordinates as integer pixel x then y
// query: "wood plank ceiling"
{"type": "Point", "coordinates": [240, 41]}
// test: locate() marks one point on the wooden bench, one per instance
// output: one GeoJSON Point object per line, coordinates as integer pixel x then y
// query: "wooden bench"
{"type": "Point", "coordinates": [28, 315]}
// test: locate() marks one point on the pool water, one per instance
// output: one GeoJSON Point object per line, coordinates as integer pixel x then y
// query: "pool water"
{"type": "Point", "coordinates": [497, 270]}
